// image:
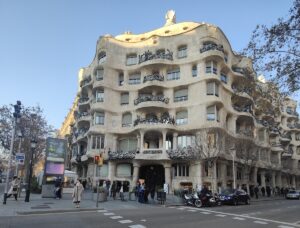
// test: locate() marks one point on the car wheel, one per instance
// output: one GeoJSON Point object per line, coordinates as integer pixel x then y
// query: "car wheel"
{"type": "Point", "coordinates": [247, 201]}
{"type": "Point", "coordinates": [198, 203]}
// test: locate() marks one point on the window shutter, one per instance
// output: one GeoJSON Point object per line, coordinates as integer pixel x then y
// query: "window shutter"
{"type": "Point", "coordinates": [124, 98]}
{"type": "Point", "coordinates": [182, 115]}
{"type": "Point", "coordinates": [127, 119]}
{"type": "Point", "coordinates": [210, 88]}
{"type": "Point", "coordinates": [181, 93]}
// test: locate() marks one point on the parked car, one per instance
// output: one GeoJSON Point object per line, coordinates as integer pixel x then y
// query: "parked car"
{"type": "Point", "coordinates": [293, 194]}
{"type": "Point", "coordinates": [234, 197]}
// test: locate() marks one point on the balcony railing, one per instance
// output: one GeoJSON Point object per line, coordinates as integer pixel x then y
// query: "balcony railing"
{"type": "Point", "coordinates": [79, 115]}
{"type": "Point", "coordinates": [80, 132]}
{"type": "Point", "coordinates": [245, 132]}
{"type": "Point", "coordinates": [185, 153]}
{"type": "Point", "coordinates": [120, 154]}
{"type": "Point", "coordinates": [152, 151]}
{"type": "Point", "coordinates": [238, 70]}
{"type": "Point", "coordinates": [291, 112]}
{"type": "Point", "coordinates": [286, 136]}
{"type": "Point", "coordinates": [242, 109]}
{"type": "Point", "coordinates": [148, 55]}
{"type": "Point", "coordinates": [164, 119]}
{"type": "Point", "coordinates": [294, 126]}
{"type": "Point", "coordinates": [85, 81]}
{"type": "Point", "coordinates": [153, 77]}
{"type": "Point", "coordinates": [238, 89]}
{"type": "Point", "coordinates": [159, 98]}
{"type": "Point", "coordinates": [209, 47]}
{"type": "Point", "coordinates": [83, 99]}
{"type": "Point", "coordinates": [262, 122]}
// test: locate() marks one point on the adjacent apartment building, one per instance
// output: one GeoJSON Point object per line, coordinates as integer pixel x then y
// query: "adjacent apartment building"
{"type": "Point", "coordinates": [177, 105]}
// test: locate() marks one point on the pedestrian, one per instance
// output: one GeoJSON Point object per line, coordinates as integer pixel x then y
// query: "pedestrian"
{"type": "Point", "coordinates": [122, 193]}
{"type": "Point", "coordinates": [77, 193]}
{"type": "Point", "coordinates": [268, 190]}
{"type": "Point", "coordinates": [14, 185]}
{"type": "Point", "coordinates": [113, 190]}
{"type": "Point", "coordinates": [256, 191]}
{"type": "Point", "coordinates": [84, 183]}
{"type": "Point", "coordinates": [58, 187]}
{"type": "Point", "coordinates": [263, 191]}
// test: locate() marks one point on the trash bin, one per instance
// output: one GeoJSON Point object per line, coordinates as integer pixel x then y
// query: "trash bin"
{"type": "Point", "coordinates": [161, 197]}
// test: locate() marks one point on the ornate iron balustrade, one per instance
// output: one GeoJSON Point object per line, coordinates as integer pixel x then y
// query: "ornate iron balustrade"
{"type": "Point", "coordinates": [153, 77]}
{"type": "Point", "coordinates": [121, 155]}
{"type": "Point", "coordinates": [83, 99]}
{"type": "Point", "coordinates": [242, 109]}
{"type": "Point", "coordinates": [79, 115]}
{"type": "Point", "coordinates": [185, 153]}
{"type": "Point", "coordinates": [152, 151]}
{"type": "Point", "coordinates": [151, 98]}
{"type": "Point", "coordinates": [164, 119]}
{"type": "Point", "coordinates": [262, 122]}
{"type": "Point", "coordinates": [148, 55]}
{"type": "Point", "coordinates": [286, 136]}
{"type": "Point", "coordinates": [238, 89]}
{"type": "Point", "coordinates": [238, 70]}
{"type": "Point", "coordinates": [85, 81]}
{"type": "Point", "coordinates": [210, 46]}
{"type": "Point", "coordinates": [245, 132]}
{"type": "Point", "coordinates": [274, 129]}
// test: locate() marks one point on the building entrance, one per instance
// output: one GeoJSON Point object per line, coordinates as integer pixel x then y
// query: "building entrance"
{"type": "Point", "coordinates": [154, 176]}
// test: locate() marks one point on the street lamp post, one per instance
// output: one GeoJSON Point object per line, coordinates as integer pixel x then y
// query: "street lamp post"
{"type": "Point", "coordinates": [17, 115]}
{"type": "Point", "coordinates": [29, 176]}
{"type": "Point", "coordinates": [20, 136]}
{"type": "Point", "coordinates": [232, 151]}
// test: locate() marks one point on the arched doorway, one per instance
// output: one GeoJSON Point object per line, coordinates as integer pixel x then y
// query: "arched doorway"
{"type": "Point", "coordinates": [153, 175]}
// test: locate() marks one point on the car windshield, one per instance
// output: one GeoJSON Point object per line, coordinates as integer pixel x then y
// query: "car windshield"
{"type": "Point", "coordinates": [227, 191]}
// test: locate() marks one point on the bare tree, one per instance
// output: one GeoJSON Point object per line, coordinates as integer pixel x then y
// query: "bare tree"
{"type": "Point", "coordinates": [32, 125]}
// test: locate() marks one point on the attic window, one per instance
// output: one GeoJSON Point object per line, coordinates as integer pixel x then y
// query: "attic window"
{"type": "Point", "coordinates": [143, 38]}
{"type": "Point", "coordinates": [185, 28]}
{"type": "Point", "coordinates": [128, 39]}
{"type": "Point", "coordinates": [167, 31]}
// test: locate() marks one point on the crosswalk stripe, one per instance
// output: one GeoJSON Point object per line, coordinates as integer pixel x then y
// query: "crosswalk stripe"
{"type": "Point", "coordinates": [137, 226]}
{"type": "Point", "coordinates": [238, 218]}
{"type": "Point", "coordinates": [125, 221]}
{"type": "Point", "coordinates": [220, 215]}
{"type": "Point", "coordinates": [261, 222]}
{"type": "Point", "coordinates": [205, 213]}
{"type": "Point", "coordinates": [110, 213]}
{"type": "Point", "coordinates": [102, 211]}
{"type": "Point", "coordinates": [116, 217]}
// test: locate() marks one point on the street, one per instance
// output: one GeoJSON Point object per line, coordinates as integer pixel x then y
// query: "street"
{"type": "Point", "coordinates": [276, 213]}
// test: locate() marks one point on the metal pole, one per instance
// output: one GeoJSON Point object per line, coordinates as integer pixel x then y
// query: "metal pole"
{"type": "Point", "coordinates": [9, 161]}
{"type": "Point", "coordinates": [17, 164]}
{"type": "Point", "coordinates": [97, 202]}
{"type": "Point", "coordinates": [29, 177]}
{"type": "Point", "coordinates": [233, 171]}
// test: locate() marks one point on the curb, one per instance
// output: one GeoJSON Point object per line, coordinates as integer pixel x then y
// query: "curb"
{"type": "Point", "coordinates": [54, 211]}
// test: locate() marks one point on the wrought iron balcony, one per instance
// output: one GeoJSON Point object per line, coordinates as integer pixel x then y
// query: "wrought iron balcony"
{"type": "Point", "coordinates": [238, 70]}
{"type": "Point", "coordinates": [185, 153]}
{"type": "Point", "coordinates": [83, 99]}
{"type": "Point", "coordinates": [148, 55]}
{"type": "Point", "coordinates": [212, 46]}
{"type": "Point", "coordinates": [291, 112]}
{"type": "Point", "coordinates": [164, 119]}
{"type": "Point", "coordinates": [120, 154]}
{"type": "Point", "coordinates": [85, 81]}
{"type": "Point", "coordinates": [242, 109]}
{"type": "Point", "coordinates": [245, 132]}
{"type": "Point", "coordinates": [262, 122]}
{"type": "Point", "coordinates": [159, 98]}
{"type": "Point", "coordinates": [153, 77]}
{"type": "Point", "coordinates": [241, 89]}
{"type": "Point", "coordinates": [79, 115]}
{"type": "Point", "coordinates": [152, 151]}
{"type": "Point", "coordinates": [79, 132]}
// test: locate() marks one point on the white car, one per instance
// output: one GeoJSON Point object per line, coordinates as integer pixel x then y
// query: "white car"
{"type": "Point", "coordinates": [293, 194]}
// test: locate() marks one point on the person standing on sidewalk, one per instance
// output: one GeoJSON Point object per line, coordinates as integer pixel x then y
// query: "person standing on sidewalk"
{"type": "Point", "coordinates": [256, 191]}
{"type": "Point", "coordinates": [14, 188]}
{"type": "Point", "coordinates": [77, 193]}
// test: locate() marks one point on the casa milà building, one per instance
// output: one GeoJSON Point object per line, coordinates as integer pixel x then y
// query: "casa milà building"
{"type": "Point", "coordinates": [175, 105]}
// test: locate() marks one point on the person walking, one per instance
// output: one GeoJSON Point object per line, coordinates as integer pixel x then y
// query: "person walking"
{"type": "Point", "coordinates": [263, 191]}
{"type": "Point", "coordinates": [122, 193]}
{"type": "Point", "coordinates": [77, 193]}
{"type": "Point", "coordinates": [268, 190]}
{"type": "Point", "coordinates": [58, 188]}
{"type": "Point", "coordinates": [14, 185]}
{"type": "Point", "coordinates": [256, 191]}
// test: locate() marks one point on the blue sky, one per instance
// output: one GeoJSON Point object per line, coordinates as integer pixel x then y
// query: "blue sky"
{"type": "Point", "coordinates": [43, 44]}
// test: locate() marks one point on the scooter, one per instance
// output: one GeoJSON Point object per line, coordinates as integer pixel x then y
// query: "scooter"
{"type": "Point", "coordinates": [192, 200]}
{"type": "Point", "coordinates": [210, 200]}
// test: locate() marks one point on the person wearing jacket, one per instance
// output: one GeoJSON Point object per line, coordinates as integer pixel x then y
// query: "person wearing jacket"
{"type": "Point", "coordinates": [14, 185]}
{"type": "Point", "coordinates": [77, 193]}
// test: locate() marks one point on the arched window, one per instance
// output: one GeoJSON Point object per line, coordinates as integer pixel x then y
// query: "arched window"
{"type": "Point", "coordinates": [99, 73]}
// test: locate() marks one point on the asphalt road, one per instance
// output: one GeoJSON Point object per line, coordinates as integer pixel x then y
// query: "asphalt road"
{"type": "Point", "coordinates": [277, 213]}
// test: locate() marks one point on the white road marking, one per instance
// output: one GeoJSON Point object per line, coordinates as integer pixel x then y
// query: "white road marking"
{"type": "Point", "coordinates": [143, 220]}
{"type": "Point", "coordinates": [116, 217]}
{"type": "Point", "coordinates": [125, 221]}
{"type": "Point", "coordinates": [238, 218]}
{"type": "Point", "coordinates": [206, 213]}
{"type": "Point", "coordinates": [171, 207]}
{"type": "Point", "coordinates": [110, 213]}
{"type": "Point", "coordinates": [102, 211]}
{"type": "Point", "coordinates": [137, 226]}
{"type": "Point", "coordinates": [292, 225]}
{"type": "Point", "coordinates": [260, 222]}
{"type": "Point", "coordinates": [181, 208]}
{"type": "Point", "coordinates": [285, 226]}
{"type": "Point", "coordinates": [220, 215]}
{"type": "Point", "coordinates": [192, 210]}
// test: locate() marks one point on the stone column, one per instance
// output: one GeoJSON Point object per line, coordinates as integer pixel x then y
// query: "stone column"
{"type": "Point", "coordinates": [263, 178]}
{"type": "Point", "coordinates": [111, 170]}
{"type": "Point", "coordinates": [168, 180]}
{"type": "Point", "coordinates": [294, 181]}
{"type": "Point", "coordinates": [164, 134]}
{"type": "Point", "coordinates": [135, 176]}
{"type": "Point", "coordinates": [223, 174]}
{"type": "Point", "coordinates": [126, 77]}
{"type": "Point", "coordinates": [279, 159]}
{"type": "Point", "coordinates": [175, 135]}
{"type": "Point", "coordinates": [254, 177]}
{"type": "Point", "coordinates": [273, 179]}
{"type": "Point", "coordinates": [198, 173]}
{"type": "Point", "coordinates": [142, 141]}
{"type": "Point", "coordinates": [138, 142]}
{"type": "Point", "coordinates": [115, 143]}
{"type": "Point", "coordinates": [278, 179]}
{"type": "Point", "coordinates": [214, 178]}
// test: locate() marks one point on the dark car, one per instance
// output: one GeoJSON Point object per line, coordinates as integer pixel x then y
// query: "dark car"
{"type": "Point", "coordinates": [234, 197]}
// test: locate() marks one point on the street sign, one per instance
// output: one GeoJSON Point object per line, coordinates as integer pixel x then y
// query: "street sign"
{"type": "Point", "coordinates": [20, 158]}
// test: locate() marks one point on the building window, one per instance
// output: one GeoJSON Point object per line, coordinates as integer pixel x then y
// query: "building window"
{"type": "Point", "coordinates": [99, 74]}
{"type": "Point", "coordinates": [127, 144]}
{"type": "Point", "coordinates": [289, 110]}
{"type": "Point", "coordinates": [99, 96]}
{"type": "Point", "coordinates": [121, 79]}
{"type": "Point", "coordinates": [229, 170]}
{"type": "Point", "coordinates": [99, 118]}
{"type": "Point", "coordinates": [181, 170]}
{"type": "Point", "coordinates": [261, 135]}
{"type": "Point", "coordinates": [124, 98]}
{"type": "Point", "coordinates": [127, 120]}
{"type": "Point", "coordinates": [224, 78]}
{"type": "Point", "coordinates": [206, 168]}
{"type": "Point", "coordinates": [226, 57]}
{"type": "Point", "coordinates": [212, 88]}
{"type": "Point", "coordinates": [102, 57]}
{"type": "Point", "coordinates": [131, 59]}
{"type": "Point", "coordinates": [211, 67]}
{"type": "Point", "coordinates": [134, 79]}
{"type": "Point", "coordinates": [239, 173]}
{"type": "Point", "coordinates": [173, 74]}
{"type": "Point", "coordinates": [194, 71]}
{"type": "Point", "coordinates": [212, 113]}
{"type": "Point", "coordinates": [184, 141]}
{"type": "Point", "coordinates": [181, 95]}
{"type": "Point", "coordinates": [181, 117]}
{"type": "Point", "coordinates": [98, 141]}
{"type": "Point", "coordinates": [297, 137]}
{"type": "Point", "coordinates": [182, 52]}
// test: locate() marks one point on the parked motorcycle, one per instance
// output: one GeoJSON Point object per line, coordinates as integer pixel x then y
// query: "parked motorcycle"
{"type": "Point", "coordinates": [210, 200]}
{"type": "Point", "coordinates": [192, 200]}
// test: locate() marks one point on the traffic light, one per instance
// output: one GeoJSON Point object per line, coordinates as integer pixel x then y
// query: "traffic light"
{"type": "Point", "coordinates": [17, 107]}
